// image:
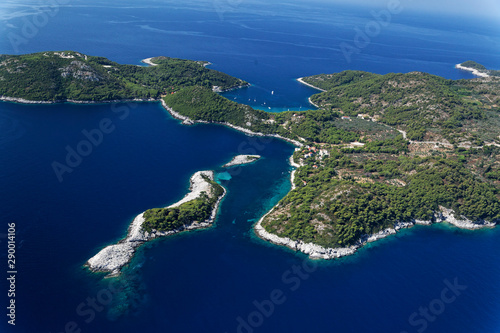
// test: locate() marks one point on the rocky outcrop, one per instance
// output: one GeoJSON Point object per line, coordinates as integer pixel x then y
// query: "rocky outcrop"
{"type": "Point", "coordinates": [241, 159]}
{"type": "Point", "coordinates": [448, 215]}
{"type": "Point", "coordinates": [474, 71]}
{"type": "Point", "coordinates": [81, 71]}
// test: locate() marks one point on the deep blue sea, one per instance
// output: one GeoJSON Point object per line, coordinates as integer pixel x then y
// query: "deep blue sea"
{"type": "Point", "coordinates": [224, 279]}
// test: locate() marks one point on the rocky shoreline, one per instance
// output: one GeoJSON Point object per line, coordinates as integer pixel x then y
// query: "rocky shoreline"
{"type": "Point", "coordinates": [301, 80]}
{"type": "Point", "coordinates": [472, 70]}
{"type": "Point", "coordinates": [249, 132]}
{"type": "Point", "coordinates": [319, 252]}
{"type": "Point", "coordinates": [292, 174]}
{"type": "Point", "coordinates": [312, 103]}
{"type": "Point", "coordinates": [114, 257]}
{"type": "Point", "coordinates": [27, 101]}
{"type": "Point", "coordinates": [189, 121]}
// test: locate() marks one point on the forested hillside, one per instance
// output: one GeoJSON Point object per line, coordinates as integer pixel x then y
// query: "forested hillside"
{"type": "Point", "coordinates": [59, 76]}
{"type": "Point", "coordinates": [450, 159]}
{"type": "Point", "coordinates": [342, 194]}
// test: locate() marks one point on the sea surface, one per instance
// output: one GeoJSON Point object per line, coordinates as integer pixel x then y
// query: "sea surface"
{"type": "Point", "coordinates": [223, 279]}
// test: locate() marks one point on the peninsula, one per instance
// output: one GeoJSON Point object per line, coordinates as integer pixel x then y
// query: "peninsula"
{"type": "Point", "coordinates": [477, 69]}
{"type": "Point", "coordinates": [196, 210]}
{"type": "Point", "coordinates": [69, 76]}
{"type": "Point", "coordinates": [381, 153]}
{"type": "Point", "coordinates": [435, 159]}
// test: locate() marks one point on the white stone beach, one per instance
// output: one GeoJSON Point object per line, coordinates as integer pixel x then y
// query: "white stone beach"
{"type": "Point", "coordinates": [149, 62]}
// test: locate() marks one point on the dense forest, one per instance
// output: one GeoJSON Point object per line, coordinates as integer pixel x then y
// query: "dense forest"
{"type": "Point", "coordinates": [198, 210]}
{"type": "Point", "coordinates": [60, 76]}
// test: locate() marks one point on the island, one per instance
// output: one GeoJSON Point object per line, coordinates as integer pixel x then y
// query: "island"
{"type": "Point", "coordinates": [241, 159]}
{"type": "Point", "coordinates": [381, 152]}
{"type": "Point", "coordinates": [68, 76]}
{"type": "Point", "coordinates": [196, 210]}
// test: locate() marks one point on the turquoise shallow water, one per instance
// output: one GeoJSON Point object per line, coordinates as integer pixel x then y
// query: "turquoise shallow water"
{"type": "Point", "coordinates": [224, 278]}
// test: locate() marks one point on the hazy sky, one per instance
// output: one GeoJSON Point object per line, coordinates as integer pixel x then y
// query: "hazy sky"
{"type": "Point", "coordinates": [489, 8]}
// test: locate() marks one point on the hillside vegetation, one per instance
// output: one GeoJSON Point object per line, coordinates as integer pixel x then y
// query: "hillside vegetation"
{"type": "Point", "coordinates": [59, 76]}
{"type": "Point", "coordinates": [449, 160]}
{"type": "Point", "coordinates": [427, 107]}
{"type": "Point", "coordinates": [348, 193]}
